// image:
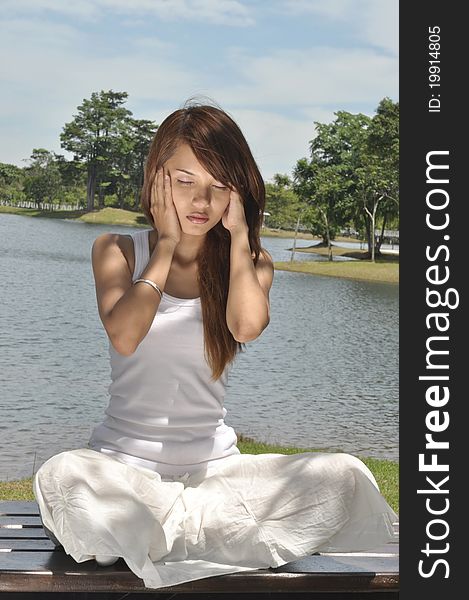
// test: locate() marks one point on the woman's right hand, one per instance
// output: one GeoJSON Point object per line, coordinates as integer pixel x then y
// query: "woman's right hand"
{"type": "Point", "coordinates": [162, 208]}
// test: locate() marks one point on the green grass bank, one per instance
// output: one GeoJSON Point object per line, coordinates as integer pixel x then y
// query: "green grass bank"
{"type": "Point", "coordinates": [385, 272]}
{"type": "Point", "coordinates": [127, 218]}
{"type": "Point", "coordinates": [385, 269]}
{"type": "Point", "coordinates": [386, 472]}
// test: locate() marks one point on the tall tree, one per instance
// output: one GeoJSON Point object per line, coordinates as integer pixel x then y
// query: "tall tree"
{"type": "Point", "coordinates": [352, 172]}
{"type": "Point", "coordinates": [90, 136]}
{"type": "Point", "coordinates": [42, 177]}
{"type": "Point", "coordinates": [383, 146]}
{"type": "Point", "coordinates": [282, 203]}
{"type": "Point", "coordinates": [11, 184]}
{"type": "Point", "coordinates": [142, 132]}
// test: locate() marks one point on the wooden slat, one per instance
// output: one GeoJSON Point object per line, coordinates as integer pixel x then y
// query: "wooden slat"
{"type": "Point", "coordinates": [30, 533]}
{"type": "Point", "coordinates": [30, 562]}
{"type": "Point", "coordinates": [18, 507]}
{"type": "Point", "coordinates": [24, 520]}
{"type": "Point", "coordinates": [26, 544]}
{"type": "Point", "coordinates": [107, 579]}
{"type": "Point", "coordinates": [342, 564]}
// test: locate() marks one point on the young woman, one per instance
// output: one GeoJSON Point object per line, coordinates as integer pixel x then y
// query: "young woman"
{"type": "Point", "coordinates": [162, 483]}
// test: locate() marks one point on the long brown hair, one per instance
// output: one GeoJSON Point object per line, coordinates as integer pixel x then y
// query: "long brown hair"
{"type": "Point", "coordinates": [222, 150]}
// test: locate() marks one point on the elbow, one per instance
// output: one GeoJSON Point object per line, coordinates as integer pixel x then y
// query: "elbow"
{"type": "Point", "coordinates": [123, 346]}
{"type": "Point", "coordinates": [248, 334]}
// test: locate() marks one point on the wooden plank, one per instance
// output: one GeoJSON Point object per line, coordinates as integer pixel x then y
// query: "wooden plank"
{"type": "Point", "coordinates": [24, 520]}
{"type": "Point", "coordinates": [103, 579]}
{"type": "Point", "coordinates": [29, 562]}
{"type": "Point", "coordinates": [24, 560]}
{"type": "Point", "coordinates": [19, 507]}
{"type": "Point", "coordinates": [26, 544]}
{"type": "Point", "coordinates": [33, 533]}
{"type": "Point", "coordinates": [342, 564]}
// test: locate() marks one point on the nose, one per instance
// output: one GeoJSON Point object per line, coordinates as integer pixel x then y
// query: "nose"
{"type": "Point", "coordinates": [201, 197]}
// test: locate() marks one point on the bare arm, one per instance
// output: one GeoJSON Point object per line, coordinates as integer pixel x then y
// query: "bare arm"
{"type": "Point", "coordinates": [126, 310]}
{"type": "Point", "coordinates": [248, 308]}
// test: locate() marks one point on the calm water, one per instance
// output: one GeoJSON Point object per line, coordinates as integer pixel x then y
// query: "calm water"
{"type": "Point", "coordinates": [324, 373]}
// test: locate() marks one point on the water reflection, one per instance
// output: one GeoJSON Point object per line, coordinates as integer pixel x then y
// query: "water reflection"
{"type": "Point", "coordinates": [323, 374]}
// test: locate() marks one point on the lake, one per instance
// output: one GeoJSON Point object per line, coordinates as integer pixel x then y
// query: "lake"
{"type": "Point", "coordinates": [324, 374]}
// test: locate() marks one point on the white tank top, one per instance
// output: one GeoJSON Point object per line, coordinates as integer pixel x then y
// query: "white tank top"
{"type": "Point", "coordinates": [164, 412]}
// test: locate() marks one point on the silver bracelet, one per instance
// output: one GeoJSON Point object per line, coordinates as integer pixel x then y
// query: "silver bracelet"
{"type": "Point", "coordinates": [152, 283]}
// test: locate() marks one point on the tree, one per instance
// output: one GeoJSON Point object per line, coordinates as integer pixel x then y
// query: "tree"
{"type": "Point", "coordinates": [142, 132]}
{"type": "Point", "coordinates": [42, 177]}
{"type": "Point", "coordinates": [352, 173]}
{"type": "Point", "coordinates": [321, 187]}
{"type": "Point", "coordinates": [11, 184]}
{"type": "Point", "coordinates": [92, 134]}
{"type": "Point", "coordinates": [325, 181]}
{"type": "Point", "coordinates": [282, 203]}
{"type": "Point", "coordinates": [383, 145]}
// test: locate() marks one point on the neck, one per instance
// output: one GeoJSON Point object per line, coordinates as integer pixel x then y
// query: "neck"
{"type": "Point", "coordinates": [186, 251]}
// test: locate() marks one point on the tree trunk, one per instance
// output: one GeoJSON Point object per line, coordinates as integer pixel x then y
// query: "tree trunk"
{"type": "Point", "coordinates": [139, 187]}
{"type": "Point", "coordinates": [368, 235]}
{"type": "Point", "coordinates": [91, 187]}
{"type": "Point", "coordinates": [100, 197]}
{"type": "Point", "coordinates": [372, 216]}
{"type": "Point", "coordinates": [381, 237]}
{"type": "Point", "coordinates": [294, 239]}
{"type": "Point", "coordinates": [328, 234]}
{"type": "Point", "coordinates": [329, 244]}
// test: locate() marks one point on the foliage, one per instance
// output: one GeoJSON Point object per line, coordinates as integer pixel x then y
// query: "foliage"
{"type": "Point", "coordinates": [351, 176]}
{"type": "Point", "coordinates": [11, 184]}
{"type": "Point", "coordinates": [349, 181]}
{"type": "Point", "coordinates": [111, 145]}
{"type": "Point", "coordinates": [282, 203]}
{"type": "Point", "coordinates": [43, 181]}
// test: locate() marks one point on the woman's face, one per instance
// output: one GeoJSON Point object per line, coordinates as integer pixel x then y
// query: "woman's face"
{"type": "Point", "coordinates": [195, 191]}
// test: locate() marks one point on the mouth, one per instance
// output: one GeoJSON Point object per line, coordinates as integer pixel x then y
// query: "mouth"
{"type": "Point", "coordinates": [197, 219]}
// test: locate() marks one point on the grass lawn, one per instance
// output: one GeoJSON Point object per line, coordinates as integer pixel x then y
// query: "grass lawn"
{"type": "Point", "coordinates": [386, 473]}
{"type": "Point", "coordinates": [117, 216]}
{"type": "Point", "coordinates": [385, 269]}
{"type": "Point", "coordinates": [366, 271]}
{"type": "Point", "coordinates": [105, 216]}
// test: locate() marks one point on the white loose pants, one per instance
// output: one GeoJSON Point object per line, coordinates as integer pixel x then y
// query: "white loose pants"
{"type": "Point", "coordinates": [247, 512]}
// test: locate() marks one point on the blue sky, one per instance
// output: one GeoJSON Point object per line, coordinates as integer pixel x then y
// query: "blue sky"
{"type": "Point", "coordinates": [276, 66]}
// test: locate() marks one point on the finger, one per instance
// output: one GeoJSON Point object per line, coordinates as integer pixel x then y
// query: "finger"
{"type": "Point", "coordinates": [155, 189]}
{"type": "Point", "coordinates": [160, 188]}
{"type": "Point", "coordinates": [167, 189]}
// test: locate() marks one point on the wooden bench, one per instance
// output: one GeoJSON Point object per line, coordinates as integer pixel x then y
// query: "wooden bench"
{"type": "Point", "coordinates": [29, 562]}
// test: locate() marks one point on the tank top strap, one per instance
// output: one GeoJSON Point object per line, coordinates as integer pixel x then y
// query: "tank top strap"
{"type": "Point", "coordinates": [141, 251]}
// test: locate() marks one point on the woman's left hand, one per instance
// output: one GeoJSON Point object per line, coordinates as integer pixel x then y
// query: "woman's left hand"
{"type": "Point", "coordinates": [234, 217]}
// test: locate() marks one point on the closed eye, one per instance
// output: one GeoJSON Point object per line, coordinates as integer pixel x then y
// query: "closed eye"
{"type": "Point", "coordinates": [223, 188]}
{"type": "Point", "coordinates": [185, 182]}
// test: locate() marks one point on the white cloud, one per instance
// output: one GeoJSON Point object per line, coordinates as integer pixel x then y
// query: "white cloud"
{"type": "Point", "coordinates": [226, 12]}
{"type": "Point", "coordinates": [331, 9]}
{"type": "Point", "coordinates": [381, 25]}
{"type": "Point", "coordinates": [277, 141]}
{"type": "Point", "coordinates": [275, 95]}
{"type": "Point", "coordinates": [373, 22]}
{"type": "Point", "coordinates": [319, 75]}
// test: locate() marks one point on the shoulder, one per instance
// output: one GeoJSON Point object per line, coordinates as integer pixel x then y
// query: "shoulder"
{"type": "Point", "coordinates": [111, 247]}
{"type": "Point", "coordinates": [266, 256]}
{"type": "Point", "coordinates": [265, 260]}
{"type": "Point", "coordinates": [265, 269]}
